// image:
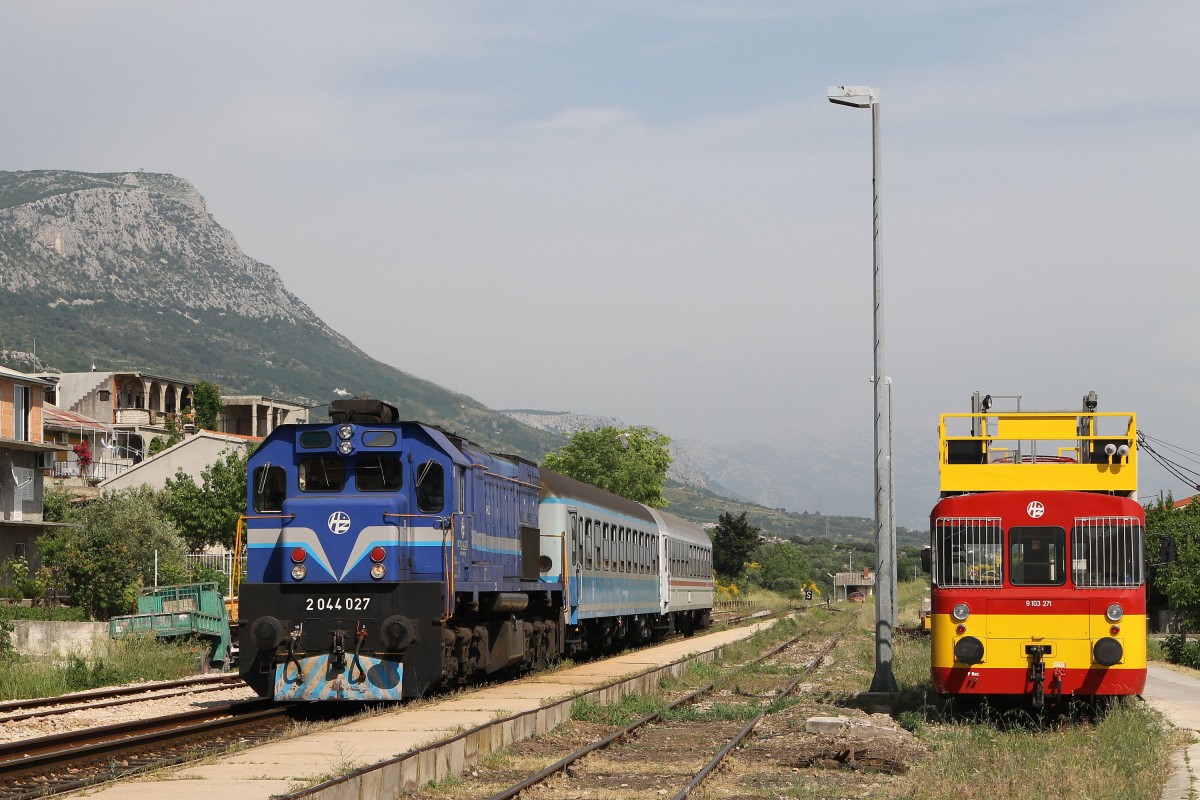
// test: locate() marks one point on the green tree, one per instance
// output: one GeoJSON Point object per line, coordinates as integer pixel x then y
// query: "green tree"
{"type": "Point", "coordinates": [781, 564]}
{"type": "Point", "coordinates": [208, 514]}
{"type": "Point", "coordinates": [1179, 580]}
{"type": "Point", "coordinates": [174, 436]}
{"type": "Point", "coordinates": [631, 462]}
{"type": "Point", "coordinates": [121, 538]}
{"type": "Point", "coordinates": [207, 406]}
{"type": "Point", "coordinates": [734, 539]}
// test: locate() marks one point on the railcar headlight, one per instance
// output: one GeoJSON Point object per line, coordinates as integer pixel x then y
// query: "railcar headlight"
{"type": "Point", "coordinates": [378, 571]}
{"type": "Point", "coordinates": [346, 432]}
{"type": "Point", "coordinates": [1114, 613]}
{"type": "Point", "coordinates": [961, 612]}
{"type": "Point", "coordinates": [544, 563]}
{"type": "Point", "coordinates": [299, 571]}
{"type": "Point", "coordinates": [345, 447]}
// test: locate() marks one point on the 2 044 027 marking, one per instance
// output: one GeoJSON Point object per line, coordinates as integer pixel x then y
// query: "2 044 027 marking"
{"type": "Point", "coordinates": [336, 603]}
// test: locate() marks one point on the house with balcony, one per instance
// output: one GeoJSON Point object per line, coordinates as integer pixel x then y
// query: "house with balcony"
{"type": "Point", "coordinates": [24, 459]}
{"type": "Point", "coordinates": [249, 415]}
{"type": "Point", "coordinates": [137, 406]}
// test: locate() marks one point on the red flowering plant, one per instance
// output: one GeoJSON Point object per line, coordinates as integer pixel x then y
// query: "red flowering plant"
{"type": "Point", "coordinates": [83, 454]}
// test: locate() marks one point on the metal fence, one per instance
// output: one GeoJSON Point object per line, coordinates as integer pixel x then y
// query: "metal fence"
{"type": "Point", "coordinates": [97, 470]}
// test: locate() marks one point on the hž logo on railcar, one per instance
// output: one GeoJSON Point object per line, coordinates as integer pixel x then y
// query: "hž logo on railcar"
{"type": "Point", "coordinates": [1035, 509]}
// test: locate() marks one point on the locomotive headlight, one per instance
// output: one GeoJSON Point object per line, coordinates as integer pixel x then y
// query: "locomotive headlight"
{"type": "Point", "coordinates": [345, 447]}
{"type": "Point", "coordinates": [346, 432]}
{"type": "Point", "coordinates": [299, 571]}
{"type": "Point", "coordinates": [1114, 613]}
{"type": "Point", "coordinates": [378, 571]}
{"type": "Point", "coordinates": [961, 612]}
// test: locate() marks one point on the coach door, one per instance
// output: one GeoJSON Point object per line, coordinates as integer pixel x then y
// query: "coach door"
{"type": "Point", "coordinates": [575, 548]}
{"type": "Point", "coordinates": [664, 574]}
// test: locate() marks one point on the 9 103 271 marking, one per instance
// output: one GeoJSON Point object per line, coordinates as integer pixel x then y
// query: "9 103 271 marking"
{"type": "Point", "coordinates": [336, 603]}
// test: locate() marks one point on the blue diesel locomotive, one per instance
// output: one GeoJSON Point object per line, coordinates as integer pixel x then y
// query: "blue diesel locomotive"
{"type": "Point", "coordinates": [386, 559]}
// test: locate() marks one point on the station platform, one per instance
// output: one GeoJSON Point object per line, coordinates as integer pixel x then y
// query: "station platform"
{"type": "Point", "coordinates": [288, 766]}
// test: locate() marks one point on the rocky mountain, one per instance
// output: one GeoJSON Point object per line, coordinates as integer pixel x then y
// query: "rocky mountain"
{"type": "Point", "coordinates": [130, 271]}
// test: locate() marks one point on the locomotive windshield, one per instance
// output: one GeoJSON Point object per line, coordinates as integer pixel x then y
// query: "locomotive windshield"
{"type": "Point", "coordinates": [379, 473]}
{"type": "Point", "coordinates": [322, 474]}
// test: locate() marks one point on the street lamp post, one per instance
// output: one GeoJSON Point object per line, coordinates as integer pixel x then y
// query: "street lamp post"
{"type": "Point", "coordinates": [885, 528]}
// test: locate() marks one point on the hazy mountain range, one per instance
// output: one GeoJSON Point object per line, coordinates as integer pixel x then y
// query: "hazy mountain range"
{"type": "Point", "coordinates": [130, 271]}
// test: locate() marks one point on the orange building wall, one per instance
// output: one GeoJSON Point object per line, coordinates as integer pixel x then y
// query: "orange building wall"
{"type": "Point", "coordinates": [7, 426]}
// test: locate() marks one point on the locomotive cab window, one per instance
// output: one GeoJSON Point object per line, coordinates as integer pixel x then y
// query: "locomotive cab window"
{"type": "Point", "coordinates": [431, 491]}
{"type": "Point", "coordinates": [1037, 556]}
{"type": "Point", "coordinates": [379, 473]}
{"type": "Point", "coordinates": [322, 474]}
{"type": "Point", "coordinates": [270, 489]}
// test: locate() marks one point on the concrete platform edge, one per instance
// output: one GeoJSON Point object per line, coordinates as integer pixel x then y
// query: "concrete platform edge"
{"type": "Point", "coordinates": [392, 779]}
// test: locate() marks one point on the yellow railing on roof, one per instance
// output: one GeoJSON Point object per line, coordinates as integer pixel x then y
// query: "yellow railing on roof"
{"type": "Point", "coordinates": [1051, 450]}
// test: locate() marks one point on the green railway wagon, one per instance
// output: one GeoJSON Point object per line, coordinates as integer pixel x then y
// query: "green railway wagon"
{"type": "Point", "coordinates": [171, 612]}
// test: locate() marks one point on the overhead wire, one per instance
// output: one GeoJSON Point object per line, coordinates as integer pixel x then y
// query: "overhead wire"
{"type": "Point", "coordinates": [1186, 474]}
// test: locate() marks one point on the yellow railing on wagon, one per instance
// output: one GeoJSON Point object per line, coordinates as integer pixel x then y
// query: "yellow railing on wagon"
{"type": "Point", "coordinates": [1051, 450]}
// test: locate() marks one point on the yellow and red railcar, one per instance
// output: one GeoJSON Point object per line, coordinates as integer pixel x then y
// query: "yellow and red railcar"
{"type": "Point", "coordinates": [1037, 555]}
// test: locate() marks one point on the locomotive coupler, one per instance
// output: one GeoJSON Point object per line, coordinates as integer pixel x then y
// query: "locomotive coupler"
{"type": "Point", "coordinates": [360, 636]}
{"type": "Point", "coordinates": [1037, 674]}
{"type": "Point", "coordinates": [337, 650]}
{"type": "Point", "coordinates": [292, 658]}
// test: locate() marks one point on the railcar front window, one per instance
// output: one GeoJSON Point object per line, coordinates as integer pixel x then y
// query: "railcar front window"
{"type": "Point", "coordinates": [968, 552]}
{"type": "Point", "coordinates": [1107, 552]}
{"type": "Point", "coordinates": [1037, 556]}
{"type": "Point", "coordinates": [322, 474]}
{"type": "Point", "coordinates": [378, 473]}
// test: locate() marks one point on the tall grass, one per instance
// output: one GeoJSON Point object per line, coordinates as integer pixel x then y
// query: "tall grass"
{"type": "Point", "coordinates": [114, 662]}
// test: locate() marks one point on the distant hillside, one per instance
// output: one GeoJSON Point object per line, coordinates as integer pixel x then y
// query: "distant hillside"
{"type": "Point", "coordinates": [130, 271]}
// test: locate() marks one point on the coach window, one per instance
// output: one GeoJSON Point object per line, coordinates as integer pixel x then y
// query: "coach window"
{"type": "Point", "coordinates": [270, 489]}
{"type": "Point", "coordinates": [322, 474]}
{"type": "Point", "coordinates": [1036, 556]}
{"type": "Point", "coordinates": [587, 543]}
{"type": "Point", "coordinates": [431, 490]}
{"type": "Point", "coordinates": [378, 473]}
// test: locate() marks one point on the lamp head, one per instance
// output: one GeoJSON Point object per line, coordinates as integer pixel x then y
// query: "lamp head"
{"type": "Point", "coordinates": [855, 96]}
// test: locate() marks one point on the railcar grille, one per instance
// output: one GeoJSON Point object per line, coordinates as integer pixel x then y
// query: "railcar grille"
{"type": "Point", "coordinates": [1107, 552]}
{"type": "Point", "coordinates": [968, 552]}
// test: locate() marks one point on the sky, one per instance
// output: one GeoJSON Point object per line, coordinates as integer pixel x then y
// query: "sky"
{"type": "Point", "coordinates": [650, 210]}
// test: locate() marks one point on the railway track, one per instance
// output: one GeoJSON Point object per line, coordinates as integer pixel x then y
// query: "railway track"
{"type": "Point", "coordinates": [47, 765]}
{"type": "Point", "coordinates": [623, 769]}
{"type": "Point", "coordinates": [16, 710]}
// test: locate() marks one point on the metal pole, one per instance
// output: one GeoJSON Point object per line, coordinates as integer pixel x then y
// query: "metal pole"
{"type": "Point", "coordinates": [885, 529]}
